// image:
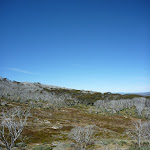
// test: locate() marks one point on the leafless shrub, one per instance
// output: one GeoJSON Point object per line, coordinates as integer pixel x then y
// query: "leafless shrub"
{"type": "Point", "coordinates": [82, 135]}
{"type": "Point", "coordinates": [102, 105]}
{"type": "Point", "coordinates": [140, 131]}
{"type": "Point", "coordinates": [146, 130]}
{"type": "Point", "coordinates": [117, 105]}
{"type": "Point", "coordinates": [147, 103]}
{"type": "Point", "coordinates": [12, 123]}
{"type": "Point", "coordinates": [139, 103]}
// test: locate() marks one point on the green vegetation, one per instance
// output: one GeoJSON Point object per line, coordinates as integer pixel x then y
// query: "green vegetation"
{"type": "Point", "coordinates": [139, 148]}
{"type": "Point", "coordinates": [42, 147]}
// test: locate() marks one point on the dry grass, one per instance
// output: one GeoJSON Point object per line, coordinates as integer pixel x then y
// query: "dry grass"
{"type": "Point", "coordinates": [67, 118]}
{"type": "Point", "coordinates": [47, 126]}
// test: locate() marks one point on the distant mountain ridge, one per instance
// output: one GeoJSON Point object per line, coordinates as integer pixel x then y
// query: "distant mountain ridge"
{"type": "Point", "coordinates": [142, 93]}
{"type": "Point", "coordinates": [136, 93]}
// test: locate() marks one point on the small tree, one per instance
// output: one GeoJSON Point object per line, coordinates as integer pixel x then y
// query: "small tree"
{"type": "Point", "coordinates": [138, 132]}
{"type": "Point", "coordinates": [12, 123]}
{"type": "Point", "coordinates": [82, 135]}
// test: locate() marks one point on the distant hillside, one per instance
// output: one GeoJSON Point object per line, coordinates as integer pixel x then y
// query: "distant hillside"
{"type": "Point", "coordinates": [142, 93]}
{"type": "Point", "coordinates": [50, 97]}
{"type": "Point", "coordinates": [26, 91]}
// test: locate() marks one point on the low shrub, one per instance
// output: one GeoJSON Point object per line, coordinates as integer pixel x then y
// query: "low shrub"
{"type": "Point", "coordinates": [42, 147]}
{"type": "Point", "coordinates": [122, 143]}
{"type": "Point", "coordinates": [140, 148]}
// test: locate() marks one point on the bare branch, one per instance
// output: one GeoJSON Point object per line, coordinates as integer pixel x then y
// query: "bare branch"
{"type": "Point", "coordinates": [12, 124]}
{"type": "Point", "coordinates": [140, 131]}
{"type": "Point", "coordinates": [82, 135]}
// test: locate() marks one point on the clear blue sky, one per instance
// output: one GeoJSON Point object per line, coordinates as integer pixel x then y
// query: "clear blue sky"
{"type": "Point", "coordinates": [100, 45]}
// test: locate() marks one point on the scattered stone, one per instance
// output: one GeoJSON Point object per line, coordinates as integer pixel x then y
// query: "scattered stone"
{"type": "Point", "coordinates": [55, 143]}
{"type": "Point", "coordinates": [3, 103]}
{"type": "Point", "coordinates": [46, 122]}
{"type": "Point", "coordinates": [56, 127]}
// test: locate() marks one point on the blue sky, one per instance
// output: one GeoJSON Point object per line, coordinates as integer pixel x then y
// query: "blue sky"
{"type": "Point", "coordinates": [100, 45]}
